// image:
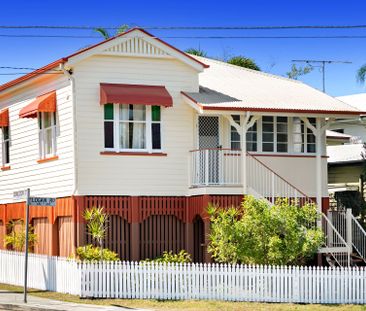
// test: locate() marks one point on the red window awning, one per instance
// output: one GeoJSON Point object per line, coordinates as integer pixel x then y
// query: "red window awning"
{"type": "Point", "coordinates": [43, 103]}
{"type": "Point", "coordinates": [134, 95]}
{"type": "Point", "coordinates": [4, 118]}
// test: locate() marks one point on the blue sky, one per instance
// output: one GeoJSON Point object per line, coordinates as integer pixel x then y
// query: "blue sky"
{"type": "Point", "coordinates": [272, 55]}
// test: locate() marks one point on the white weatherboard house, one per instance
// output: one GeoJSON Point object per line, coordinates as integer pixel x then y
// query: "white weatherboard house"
{"type": "Point", "coordinates": [153, 135]}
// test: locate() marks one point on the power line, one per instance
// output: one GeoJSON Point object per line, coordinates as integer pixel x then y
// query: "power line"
{"type": "Point", "coordinates": [194, 37]}
{"type": "Point", "coordinates": [270, 27]}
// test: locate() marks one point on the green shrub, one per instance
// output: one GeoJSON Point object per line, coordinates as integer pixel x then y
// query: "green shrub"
{"type": "Point", "coordinates": [92, 253]}
{"type": "Point", "coordinates": [16, 238]}
{"type": "Point", "coordinates": [181, 257]}
{"type": "Point", "coordinates": [261, 233]}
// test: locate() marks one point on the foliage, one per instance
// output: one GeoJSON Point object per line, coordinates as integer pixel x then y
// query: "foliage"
{"type": "Point", "coordinates": [361, 74]}
{"type": "Point", "coordinates": [258, 233]}
{"type": "Point", "coordinates": [243, 62]}
{"type": "Point", "coordinates": [181, 257]}
{"type": "Point", "coordinates": [106, 35]}
{"type": "Point", "coordinates": [16, 238]}
{"type": "Point", "coordinates": [97, 224]}
{"type": "Point", "coordinates": [197, 52]}
{"type": "Point", "coordinates": [93, 253]}
{"type": "Point", "coordinates": [296, 72]}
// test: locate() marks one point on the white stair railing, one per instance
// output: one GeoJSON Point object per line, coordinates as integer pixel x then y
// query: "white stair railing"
{"type": "Point", "coordinates": [264, 182]}
{"type": "Point", "coordinates": [334, 243]}
{"type": "Point", "coordinates": [358, 238]}
{"type": "Point", "coordinates": [350, 229]}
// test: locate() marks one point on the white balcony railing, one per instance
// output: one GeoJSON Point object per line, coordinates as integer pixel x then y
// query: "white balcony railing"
{"type": "Point", "coordinates": [215, 167]}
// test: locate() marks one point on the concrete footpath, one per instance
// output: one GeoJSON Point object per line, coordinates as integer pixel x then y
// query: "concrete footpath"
{"type": "Point", "coordinates": [14, 301]}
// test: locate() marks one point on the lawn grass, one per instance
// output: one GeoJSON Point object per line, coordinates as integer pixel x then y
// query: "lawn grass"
{"type": "Point", "coordinates": [188, 304]}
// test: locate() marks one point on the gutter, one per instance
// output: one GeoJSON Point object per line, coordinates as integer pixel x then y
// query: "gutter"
{"type": "Point", "coordinates": [68, 73]}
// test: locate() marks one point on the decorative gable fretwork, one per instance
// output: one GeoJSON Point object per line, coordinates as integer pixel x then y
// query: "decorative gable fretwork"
{"type": "Point", "coordinates": [136, 47]}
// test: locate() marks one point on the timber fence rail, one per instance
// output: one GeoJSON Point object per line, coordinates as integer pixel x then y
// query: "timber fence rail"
{"type": "Point", "coordinates": [144, 280]}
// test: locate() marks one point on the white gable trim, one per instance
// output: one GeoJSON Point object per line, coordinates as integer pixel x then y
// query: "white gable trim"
{"type": "Point", "coordinates": [135, 43]}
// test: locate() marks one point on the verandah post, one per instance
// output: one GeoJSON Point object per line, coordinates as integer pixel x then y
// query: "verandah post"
{"type": "Point", "coordinates": [135, 229]}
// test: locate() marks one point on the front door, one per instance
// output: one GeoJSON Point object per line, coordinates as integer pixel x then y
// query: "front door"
{"type": "Point", "coordinates": [209, 143]}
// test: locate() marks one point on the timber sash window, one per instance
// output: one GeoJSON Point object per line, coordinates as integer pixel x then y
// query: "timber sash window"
{"type": "Point", "coordinates": [5, 148]}
{"type": "Point", "coordinates": [274, 134]}
{"type": "Point", "coordinates": [251, 136]}
{"type": "Point", "coordinates": [132, 127]}
{"type": "Point", "coordinates": [303, 138]}
{"type": "Point", "coordinates": [47, 134]}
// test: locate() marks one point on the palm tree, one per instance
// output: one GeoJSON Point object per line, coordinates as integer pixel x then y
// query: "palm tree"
{"type": "Point", "coordinates": [243, 62]}
{"type": "Point", "coordinates": [361, 74]}
{"type": "Point", "coordinates": [197, 52]}
{"type": "Point", "coordinates": [106, 35]}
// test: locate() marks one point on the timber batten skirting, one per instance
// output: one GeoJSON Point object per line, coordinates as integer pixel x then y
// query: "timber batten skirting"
{"type": "Point", "coordinates": [140, 226]}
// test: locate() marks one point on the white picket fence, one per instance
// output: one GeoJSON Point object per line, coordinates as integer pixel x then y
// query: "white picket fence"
{"type": "Point", "coordinates": [55, 274]}
{"type": "Point", "coordinates": [224, 282]}
{"type": "Point", "coordinates": [343, 285]}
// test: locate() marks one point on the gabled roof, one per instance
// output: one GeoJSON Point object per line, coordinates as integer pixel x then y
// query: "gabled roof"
{"type": "Point", "coordinates": [229, 87]}
{"type": "Point", "coordinates": [63, 60]}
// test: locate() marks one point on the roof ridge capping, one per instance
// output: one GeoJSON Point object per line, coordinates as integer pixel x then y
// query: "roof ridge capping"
{"type": "Point", "coordinates": [63, 60]}
{"type": "Point", "coordinates": [248, 69]}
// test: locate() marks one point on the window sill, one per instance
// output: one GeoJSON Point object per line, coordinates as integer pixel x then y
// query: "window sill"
{"type": "Point", "coordinates": [47, 159]}
{"type": "Point", "coordinates": [5, 168]}
{"type": "Point", "coordinates": [126, 153]}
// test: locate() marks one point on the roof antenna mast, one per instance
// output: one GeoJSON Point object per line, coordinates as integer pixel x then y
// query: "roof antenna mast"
{"type": "Point", "coordinates": [321, 64]}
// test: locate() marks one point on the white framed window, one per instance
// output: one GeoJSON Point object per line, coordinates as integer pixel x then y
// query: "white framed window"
{"type": "Point", "coordinates": [274, 134]}
{"type": "Point", "coordinates": [251, 136]}
{"type": "Point", "coordinates": [132, 128]}
{"type": "Point", "coordinates": [47, 134]}
{"type": "Point", "coordinates": [303, 138]}
{"type": "Point", "coordinates": [5, 146]}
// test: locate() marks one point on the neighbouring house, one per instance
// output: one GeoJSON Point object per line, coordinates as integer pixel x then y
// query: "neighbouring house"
{"type": "Point", "coordinates": [336, 138]}
{"type": "Point", "coordinates": [345, 163]}
{"type": "Point", "coordinates": [153, 135]}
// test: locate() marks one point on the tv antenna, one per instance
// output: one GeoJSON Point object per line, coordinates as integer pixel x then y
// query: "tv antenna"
{"type": "Point", "coordinates": [321, 64]}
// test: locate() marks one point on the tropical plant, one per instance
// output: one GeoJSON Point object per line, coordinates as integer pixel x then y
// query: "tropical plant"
{"type": "Point", "coordinates": [296, 72]}
{"type": "Point", "coordinates": [181, 257]}
{"type": "Point", "coordinates": [261, 233]}
{"type": "Point", "coordinates": [97, 224]}
{"type": "Point", "coordinates": [16, 238]}
{"type": "Point", "coordinates": [197, 52]}
{"type": "Point", "coordinates": [361, 74]}
{"type": "Point", "coordinates": [105, 33]}
{"type": "Point", "coordinates": [92, 253]}
{"type": "Point", "coordinates": [243, 62]}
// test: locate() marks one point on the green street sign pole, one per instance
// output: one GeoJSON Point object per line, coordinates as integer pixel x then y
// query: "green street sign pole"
{"type": "Point", "coordinates": [26, 244]}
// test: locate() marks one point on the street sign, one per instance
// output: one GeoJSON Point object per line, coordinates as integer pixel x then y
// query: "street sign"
{"type": "Point", "coordinates": [19, 195]}
{"type": "Point", "coordinates": [34, 201]}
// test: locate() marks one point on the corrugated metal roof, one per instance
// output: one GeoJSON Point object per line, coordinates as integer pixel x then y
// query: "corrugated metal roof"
{"type": "Point", "coordinates": [337, 135]}
{"type": "Point", "coordinates": [345, 153]}
{"type": "Point", "coordinates": [356, 100]}
{"type": "Point", "coordinates": [225, 86]}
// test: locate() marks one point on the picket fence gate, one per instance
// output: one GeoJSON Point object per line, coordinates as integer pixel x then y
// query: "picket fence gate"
{"type": "Point", "coordinates": [144, 280]}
